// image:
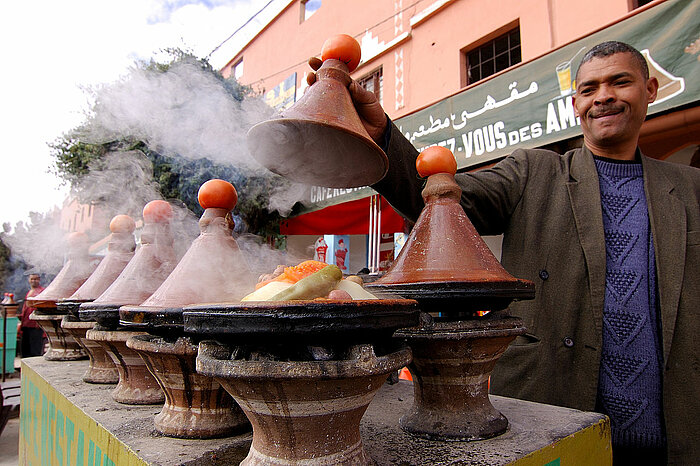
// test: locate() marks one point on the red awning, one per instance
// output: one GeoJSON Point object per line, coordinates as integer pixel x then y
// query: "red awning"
{"type": "Point", "coordinates": [347, 218]}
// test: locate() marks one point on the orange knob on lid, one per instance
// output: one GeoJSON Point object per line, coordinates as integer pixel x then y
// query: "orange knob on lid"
{"type": "Point", "coordinates": [77, 238]}
{"type": "Point", "coordinates": [218, 194]}
{"type": "Point", "coordinates": [436, 159]}
{"type": "Point", "coordinates": [122, 224]}
{"type": "Point", "coordinates": [157, 211]}
{"type": "Point", "coordinates": [344, 48]}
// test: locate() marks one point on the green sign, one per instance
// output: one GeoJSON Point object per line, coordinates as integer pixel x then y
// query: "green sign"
{"type": "Point", "coordinates": [531, 104]}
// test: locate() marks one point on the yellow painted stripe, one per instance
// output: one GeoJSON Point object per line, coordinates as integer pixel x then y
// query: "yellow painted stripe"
{"type": "Point", "coordinates": [54, 431]}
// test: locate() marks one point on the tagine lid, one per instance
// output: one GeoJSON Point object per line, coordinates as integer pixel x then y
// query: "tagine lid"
{"type": "Point", "coordinates": [74, 273]}
{"type": "Point", "coordinates": [120, 251]}
{"type": "Point", "coordinates": [444, 256]}
{"type": "Point", "coordinates": [320, 140]}
{"type": "Point", "coordinates": [148, 268]}
{"type": "Point", "coordinates": [212, 270]}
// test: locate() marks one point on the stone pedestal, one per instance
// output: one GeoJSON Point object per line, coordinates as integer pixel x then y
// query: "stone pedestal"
{"type": "Point", "coordinates": [303, 412]}
{"type": "Point", "coordinates": [62, 345]}
{"type": "Point", "coordinates": [136, 385]}
{"type": "Point", "coordinates": [452, 363]}
{"type": "Point", "coordinates": [101, 368]}
{"type": "Point", "coordinates": [195, 406]}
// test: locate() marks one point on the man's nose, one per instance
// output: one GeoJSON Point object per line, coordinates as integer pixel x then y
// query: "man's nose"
{"type": "Point", "coordinates": [605, 95]}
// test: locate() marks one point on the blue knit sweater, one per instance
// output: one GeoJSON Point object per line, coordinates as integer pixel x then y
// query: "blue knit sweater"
{"type": "Point", "coordinates": [629, 388]}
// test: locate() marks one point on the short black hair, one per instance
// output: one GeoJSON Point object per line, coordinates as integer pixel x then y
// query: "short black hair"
{"type": "Point", "coordinates": [611, 47]}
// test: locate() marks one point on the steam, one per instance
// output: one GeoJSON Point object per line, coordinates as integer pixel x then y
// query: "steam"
{"type": "Point", "coordinates": [41, 246]}
{"type": "Point", "coordinates": [185, 111]}
{"type": "Point", "coordinates": [261, 257]}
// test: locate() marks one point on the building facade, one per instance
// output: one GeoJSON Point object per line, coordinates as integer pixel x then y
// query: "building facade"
{"type": "Point", "coordinates": [484, 77]}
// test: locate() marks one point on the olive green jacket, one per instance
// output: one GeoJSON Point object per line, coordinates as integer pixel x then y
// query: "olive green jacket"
{"type": "Point", "coordinates": [548, 208]}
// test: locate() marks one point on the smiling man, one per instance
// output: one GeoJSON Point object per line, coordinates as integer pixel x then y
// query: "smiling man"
{"type": "Point", "coordinates": [611, 239]}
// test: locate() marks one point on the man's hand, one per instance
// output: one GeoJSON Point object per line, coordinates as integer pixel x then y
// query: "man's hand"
{"type": "Point", "coordinates": [366, 103]}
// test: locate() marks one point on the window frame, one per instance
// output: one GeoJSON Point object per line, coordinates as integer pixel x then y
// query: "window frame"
{"type": "Point", "coordinates": [491, 39]}
{"type": "Point", "coordinates": [376, 75]}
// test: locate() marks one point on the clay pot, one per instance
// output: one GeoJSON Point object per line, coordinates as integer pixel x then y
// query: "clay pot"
{"type": "Point", "coordinates": [195, 406]}
{"type": "Point", "coordinates": [101, 368]}
{"type": "Point", "coordinates": [144, 273]}
{"type": "Point", "coordinates": [303, 412]}
{"type": "Point", "coordinates": [136, 386]}
{"type": "Point", "coordinates": [213, 270]}
{"type": "Point", "coordinates": [78, 267]}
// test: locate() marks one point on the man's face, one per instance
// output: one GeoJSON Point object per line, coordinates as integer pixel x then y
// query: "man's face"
{"type": "Point", "coordinates": [34, 281]}
{"type": "Point", "coordinates": [611, 98]}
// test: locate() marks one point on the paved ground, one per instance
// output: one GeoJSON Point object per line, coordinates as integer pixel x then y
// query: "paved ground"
{"type": "Point", "coordinates": [9, 439]}
{"type": "Point", "coordinates": [9, 444]}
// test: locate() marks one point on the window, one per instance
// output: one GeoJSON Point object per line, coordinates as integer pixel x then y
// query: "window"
{"type": "Point", "coordinates": [494, 56]}
{"type": "Point", "coordinates": [237, 69]}
{"type": "Point", "coordinates": [637, 3]}
{"type": "Point", "coordinates": [373, 82]}
{"type": "Point", "coordinates": [308, 8]}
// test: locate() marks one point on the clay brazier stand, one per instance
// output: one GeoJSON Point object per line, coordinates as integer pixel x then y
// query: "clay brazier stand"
{"type": "Point", "coordinates": [303, 372]}
{"type": "Point", "coordinates": [455, 279]}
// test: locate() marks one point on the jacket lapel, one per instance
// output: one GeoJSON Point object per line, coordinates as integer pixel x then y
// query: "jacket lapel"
{"type": "Point", "coordinates": [584, 193]}
{"type": "Point", "coordinates": [667, 218]}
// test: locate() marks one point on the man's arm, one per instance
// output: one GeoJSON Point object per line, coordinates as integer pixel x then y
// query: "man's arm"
{"type": "Point", "coordinates": [489, 196]}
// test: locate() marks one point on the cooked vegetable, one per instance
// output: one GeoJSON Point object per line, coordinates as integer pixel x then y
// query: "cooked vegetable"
{"type": "Point", "coordinates": [266, 292]}
{"type": "Point", "coordinates": [317, 284]}
{"type": "Point", "coordinates": [355, 290]}
{"type": "Point", "coordinates": [293, 274]}
{"type": "Point", "coordinates": [356, 279]}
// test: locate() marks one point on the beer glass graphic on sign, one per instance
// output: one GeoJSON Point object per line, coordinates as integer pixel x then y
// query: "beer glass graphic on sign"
{"type": "Point", "coordinates": [564, 74]}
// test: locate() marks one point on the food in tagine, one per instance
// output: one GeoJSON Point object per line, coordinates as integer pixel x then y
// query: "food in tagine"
{"type": "Point", "coordinates": [308, 281]}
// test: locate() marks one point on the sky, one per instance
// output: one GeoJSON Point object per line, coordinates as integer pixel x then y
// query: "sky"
{"type": "Point", "coordinates": [54, 50]}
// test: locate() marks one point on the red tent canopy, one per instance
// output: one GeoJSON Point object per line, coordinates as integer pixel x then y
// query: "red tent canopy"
{"type": "Point", "coordinates": [347, 218]}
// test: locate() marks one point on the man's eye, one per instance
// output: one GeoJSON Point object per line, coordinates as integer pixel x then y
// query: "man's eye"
{"type": "Point", "coordinates": [585, 91]}
{"type": "Point", "coordinates": [622, 82]}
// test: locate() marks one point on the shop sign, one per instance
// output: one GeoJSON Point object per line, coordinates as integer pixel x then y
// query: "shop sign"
{"type": "Point", "coordinates": [531, 104]}
{"type": "Point", "coordinates": [283, 95]}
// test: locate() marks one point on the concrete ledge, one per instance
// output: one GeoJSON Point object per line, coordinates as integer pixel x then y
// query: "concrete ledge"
{"type": "Point", "coordinates": [57, 408]}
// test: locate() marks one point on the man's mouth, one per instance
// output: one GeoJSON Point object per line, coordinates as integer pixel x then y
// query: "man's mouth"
{"type": "Point", "coordinates": [604, 112]}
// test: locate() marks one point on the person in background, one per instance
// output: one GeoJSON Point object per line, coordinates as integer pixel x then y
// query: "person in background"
{"type": "Point", "coordinates": [611, 239]}
{"type": "Point", "coordinates": [32, 334]}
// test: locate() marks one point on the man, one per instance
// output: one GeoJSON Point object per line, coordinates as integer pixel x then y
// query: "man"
{"type": "Point", "coordinates": [611, 239]}
{"type": "Point", "coordinates": [32, 334]}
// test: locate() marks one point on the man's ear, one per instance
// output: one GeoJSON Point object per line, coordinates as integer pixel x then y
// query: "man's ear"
{"type": "Point", "coordinates": [652, 89]}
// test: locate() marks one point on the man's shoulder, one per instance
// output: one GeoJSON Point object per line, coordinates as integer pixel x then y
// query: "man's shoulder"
{"type": "Point", "coordinates": [673, 168]}
{"type": "Point", "coordinates": [541, 160]}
